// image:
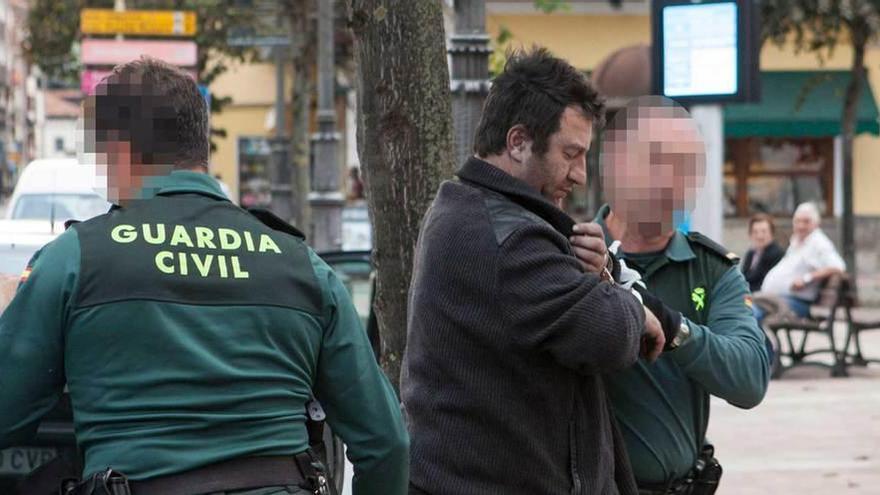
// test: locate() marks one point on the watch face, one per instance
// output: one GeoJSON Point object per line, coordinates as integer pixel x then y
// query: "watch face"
{"type": "Point", "coordinates": [684, 332]}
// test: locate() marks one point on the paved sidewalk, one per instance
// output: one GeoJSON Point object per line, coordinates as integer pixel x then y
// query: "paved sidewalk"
{"type": "Point", "coordinates": [812, 435]}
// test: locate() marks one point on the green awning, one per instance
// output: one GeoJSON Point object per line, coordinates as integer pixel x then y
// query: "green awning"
{"type": "Point", "coordinates": [799, 104]}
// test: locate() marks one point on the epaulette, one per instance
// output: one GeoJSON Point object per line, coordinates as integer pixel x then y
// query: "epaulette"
{"type": "Point", "coordinates": [70, 223]}
{"type": "Point", "coordinates": [714, 247]}
{"type": "Point", "coordinates": [274, 222]}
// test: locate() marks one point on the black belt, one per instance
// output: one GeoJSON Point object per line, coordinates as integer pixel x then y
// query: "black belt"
{"type": "Point", "coordinates": [237, 474]}
{"type": "Point", "coordinates": [678, 487]}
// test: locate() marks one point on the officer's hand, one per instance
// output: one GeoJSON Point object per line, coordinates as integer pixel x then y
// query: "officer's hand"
{"type": "Point", "coordinates": [588, 244]}
{"type": "Point", "coordinates": [653, 340]}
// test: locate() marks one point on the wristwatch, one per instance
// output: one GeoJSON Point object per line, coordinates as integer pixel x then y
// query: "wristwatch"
{"type": "Point", "coordinates": [684, 333]}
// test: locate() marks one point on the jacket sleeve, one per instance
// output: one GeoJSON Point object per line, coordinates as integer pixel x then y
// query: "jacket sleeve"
{"type": "Point", "coordinates": [32, 339]}
{"type": "Point", "coordinates": [728, 356]}
{"type": "Point", "coordinates": [552, 306]}
{"type": "Point", "coordinates": [360, 403]}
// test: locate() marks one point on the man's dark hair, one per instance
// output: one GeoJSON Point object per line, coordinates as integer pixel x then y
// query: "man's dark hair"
{"type": "Point", "coordinates": [534, 90]}
{"type": "Point", "coordinates": [157, 108]}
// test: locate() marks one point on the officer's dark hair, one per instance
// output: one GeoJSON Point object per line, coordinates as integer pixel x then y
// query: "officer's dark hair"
{"type": "Point", "coordinates": [157, 108]}
{"type": "Point", "coordinates": [534, 90]}
{"type": "Point", "coordinates": [642, 107]}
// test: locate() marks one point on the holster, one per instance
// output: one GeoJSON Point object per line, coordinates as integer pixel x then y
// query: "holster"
{"type": "Point", "coordinates": [107, 482]}
{"type": "Point", "coordinates": [707, 473]}
{"type": "Point", "coordinates": [317, 480]}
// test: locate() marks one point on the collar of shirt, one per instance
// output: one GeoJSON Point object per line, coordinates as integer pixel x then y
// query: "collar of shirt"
{"type": "Point", "coordinates": [483, 174]}
{"type": "Point", "coordinates": [182, 182]}
{"type": "Point", "coordinates": [677, 250]}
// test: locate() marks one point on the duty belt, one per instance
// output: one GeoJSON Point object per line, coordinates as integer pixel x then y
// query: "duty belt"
{"type": "Point", "coordinates": [702, 479]}
{"type": "Point", "coordinates": [302, 470]}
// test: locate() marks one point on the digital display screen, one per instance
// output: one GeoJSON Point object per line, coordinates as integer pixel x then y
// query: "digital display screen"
{"type": "Point", "coordinates": [700, 48]}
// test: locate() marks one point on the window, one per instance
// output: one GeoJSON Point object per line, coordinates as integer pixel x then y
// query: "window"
{"type": "Point", "coordinates": [59, 144]}
{"type": "Point", "coordinates": [774, 175]}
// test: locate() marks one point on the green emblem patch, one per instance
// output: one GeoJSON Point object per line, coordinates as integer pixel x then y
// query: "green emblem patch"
{"type": "Point", "coordinates": [698, 296]}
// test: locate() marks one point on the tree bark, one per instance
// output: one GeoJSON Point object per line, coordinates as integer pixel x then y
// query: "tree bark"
{"type": "Point", "coordinates": [302, 25]}
{"type": "Point", "coordinates": [848, 128]}
{"type": "Point", "coordinates": [405, 143]}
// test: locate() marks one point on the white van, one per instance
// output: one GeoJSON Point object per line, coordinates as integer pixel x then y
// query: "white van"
{"type": "Point", "coordinates": [48, 193]}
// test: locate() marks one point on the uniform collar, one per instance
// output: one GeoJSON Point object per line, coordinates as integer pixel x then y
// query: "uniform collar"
{"type": "Point", "coordinates": [678, 249]}
{"type": "Point", "coordinates": [182, 182]}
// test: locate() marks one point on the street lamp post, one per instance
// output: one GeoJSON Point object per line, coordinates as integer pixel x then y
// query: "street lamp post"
{"type": "Point", "coordinates": [469, 50]}
{"type": "Point", "coordinates": [326, 198]}
{"type": "Point", "coordinates": [280, 169]}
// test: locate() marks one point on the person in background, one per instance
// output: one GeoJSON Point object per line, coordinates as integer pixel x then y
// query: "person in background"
{"type": "Point", "coordinates": [810, 259]}
{"type": "Point", "coordinates": [764, 253]}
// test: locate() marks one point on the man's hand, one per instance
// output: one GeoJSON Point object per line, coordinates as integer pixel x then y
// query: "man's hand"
{"type": "Point", "coordinates": [798, 284]}
{"type": "Point", "coordinates": [653, 339]}
{"type": "Point", "coordinates": [588, 244]}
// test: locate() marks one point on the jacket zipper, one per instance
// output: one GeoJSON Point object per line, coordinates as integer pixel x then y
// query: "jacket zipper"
{"type": "Point", "coordinates": [575, 475]}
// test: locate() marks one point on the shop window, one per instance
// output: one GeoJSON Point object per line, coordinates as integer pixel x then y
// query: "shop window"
{"type": "Point", "coordinates": [254, 159]}
{"type": "Point", "coordinates": [774, 175]}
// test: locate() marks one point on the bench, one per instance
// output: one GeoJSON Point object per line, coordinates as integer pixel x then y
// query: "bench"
{"type": "Point", "coordinates": [835, 295]}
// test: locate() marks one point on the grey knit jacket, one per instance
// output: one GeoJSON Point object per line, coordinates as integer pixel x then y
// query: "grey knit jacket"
{"type": "Point", "coordinates": [508, 340]}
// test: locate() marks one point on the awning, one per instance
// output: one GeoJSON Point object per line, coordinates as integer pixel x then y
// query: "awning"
{"type": "Point", "coordinates": [799, 104]}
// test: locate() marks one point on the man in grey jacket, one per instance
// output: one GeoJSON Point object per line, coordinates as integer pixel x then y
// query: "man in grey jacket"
{"type": "Point", "coordinates": [509, 333]}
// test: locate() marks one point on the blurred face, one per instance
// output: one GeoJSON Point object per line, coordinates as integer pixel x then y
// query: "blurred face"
{"type": "Point", "coordinates": [653, 168]}
{"type": "Point", "coordinates": [803, 225]}
{"type": "Point", "coordinates": [760, 235]}
{"type": "Point", "coordinates": [120, 169]}
{"type": "Point", "coordinates": [564, 165]}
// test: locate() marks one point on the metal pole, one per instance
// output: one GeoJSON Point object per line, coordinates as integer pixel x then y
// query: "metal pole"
{"type": "Point", "coordinates": [280, 176]}
{"type": "Point", "coordinates": [326, 198]}
{"type": "Point", "coordinates": [708, 215]}
{"type": "Point", "coordinates": [469, 50]}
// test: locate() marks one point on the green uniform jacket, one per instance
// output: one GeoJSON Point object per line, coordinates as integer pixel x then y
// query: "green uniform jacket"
{"type": "Point", "coordinates": [189, 333]}
{"type": "Point", "coordinates": [663, 408]}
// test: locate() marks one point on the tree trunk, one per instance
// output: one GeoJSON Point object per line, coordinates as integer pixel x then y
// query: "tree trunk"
{"type": "Point", "coordinates": [405, 143]}
{"type": "Point", "coordinates": [302, 26]}
{"type": "Point", "coordinates": [848, 128]}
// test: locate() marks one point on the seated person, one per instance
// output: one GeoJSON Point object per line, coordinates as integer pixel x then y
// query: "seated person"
{"type": "Point", "coordinates": [811, 258]}
{"type": "Point", "coordinates": [764, 253]}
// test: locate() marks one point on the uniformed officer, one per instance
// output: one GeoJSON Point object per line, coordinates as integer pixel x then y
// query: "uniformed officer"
{"type": "Point", "coordinates": [652, 166]}
{"type": "Point", "coordinates": [190, 333]}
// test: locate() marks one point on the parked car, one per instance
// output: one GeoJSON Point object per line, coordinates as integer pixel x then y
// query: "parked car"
{"type": "Point", "coordinates": [48, 193]}
{"type": "Point", "coordinates": [53, 451]}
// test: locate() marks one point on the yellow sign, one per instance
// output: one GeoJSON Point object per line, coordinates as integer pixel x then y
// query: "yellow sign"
{"type": "Point", "coordinates": [142, 22]}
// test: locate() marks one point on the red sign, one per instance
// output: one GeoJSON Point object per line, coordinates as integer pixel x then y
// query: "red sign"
{"type": "Point", "coordinates": [113, 52]}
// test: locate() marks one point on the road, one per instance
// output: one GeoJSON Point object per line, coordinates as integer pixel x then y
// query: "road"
{"type": "Point", "coordinates": [812, 435]}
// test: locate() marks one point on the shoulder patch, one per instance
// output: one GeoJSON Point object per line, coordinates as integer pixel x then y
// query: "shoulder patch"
{"type": "Point", "coordinates": [728, 255]}
{"type": "Point", "coordinates": [506, 216]}
{"type": "Point", "coordinates": [275, 222]}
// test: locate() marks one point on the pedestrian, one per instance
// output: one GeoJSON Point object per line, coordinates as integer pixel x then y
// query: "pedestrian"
{"type": "Point", "coordinates": [653, 164]}
{"type": "Point", "coordinates": [764, 253]}
{"type": "Point", "coordinates": [793, 284]}
{"type": "Point", "coordinates": [191, 333]}
{"type": "Point", "coordinates": [509, 335]}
